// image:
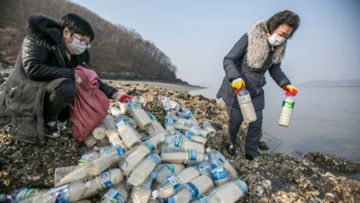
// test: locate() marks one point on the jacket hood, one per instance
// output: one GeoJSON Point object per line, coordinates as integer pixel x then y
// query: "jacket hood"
{"type": "Point", "coordinates": [258, 47]}
{"type": "Point", "coordinates": [44, 28]}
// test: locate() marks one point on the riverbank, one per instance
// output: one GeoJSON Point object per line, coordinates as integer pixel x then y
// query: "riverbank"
{"type": "Point", "coordinates": [272, 177]}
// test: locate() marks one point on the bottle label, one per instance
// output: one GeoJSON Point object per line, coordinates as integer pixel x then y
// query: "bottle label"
{"type": "Point", "coordinates": [192, 188]}
{"type": "Point", "coordinates": [105, 181]}
{"type": "Point", "coordinates": [201, 199]}
{"type": "Point", "coordinates": [174, 182]}
{"type": "Point", "coordinates": [114, 196]}
{"type": "Point", "coordinates": [178, 141]}
{"type": "Point", "coordinates": [289, 105]}
{"type": "Point", "coordinates": [171, 169]}
{"type": "Point", "coordinates": [189, 134]}
{"type": "Point", "coordinates": [151, 116]}
{"type": "Point", "coordinates": [219, 174]}
{"type": "Point", "coordinates": [242, 186]}
{"type": "Point", "coordinates": [154, 157]}
{"type": "Point", "coordinates": [133, 104]}
{"type": "Point", "coordinates": [23, 194]}
{"type": "Point", "coordinates": [60, 194]}
{"type": "Point", "coordinates": [150, 146]}
{"type": "Point", "coordinates": [192, 155]}
{"type": "Point", "coordinates": [120, 151]}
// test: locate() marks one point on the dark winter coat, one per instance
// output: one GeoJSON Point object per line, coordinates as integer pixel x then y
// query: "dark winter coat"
{"type": "Point", "coordinates": [249, 59]}
{"type": "Point", "coordinates": [41, 60]}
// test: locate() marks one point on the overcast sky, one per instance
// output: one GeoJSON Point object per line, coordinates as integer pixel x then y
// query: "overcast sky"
{"type": "Point", "coordinates": [196, 35]}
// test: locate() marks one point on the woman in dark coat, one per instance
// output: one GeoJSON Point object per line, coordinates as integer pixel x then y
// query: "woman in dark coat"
{"type": "Point", "coordinates": [258, 51]}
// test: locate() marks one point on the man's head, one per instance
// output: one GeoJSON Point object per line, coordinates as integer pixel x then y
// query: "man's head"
{"type": "Point", "coordinates": [281, 26]}
{"type": "Point", "coordinates": [77, 33]}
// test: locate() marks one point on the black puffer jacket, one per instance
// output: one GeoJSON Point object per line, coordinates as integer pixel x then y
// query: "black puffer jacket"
{"type": "Point", "coordinates": [41, 60]}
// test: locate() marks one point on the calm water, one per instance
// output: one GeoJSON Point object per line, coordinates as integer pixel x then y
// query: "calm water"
{"type": "Point", "coordinates": [325, 119]}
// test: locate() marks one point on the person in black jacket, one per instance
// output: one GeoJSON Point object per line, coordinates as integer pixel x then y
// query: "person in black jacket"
{"type": "Point", "coordinates": [258, 51]}
{"type": "Point", "coordinates": [42, 84]}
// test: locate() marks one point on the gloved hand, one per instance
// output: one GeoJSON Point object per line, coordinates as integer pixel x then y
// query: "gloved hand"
{"type": "Point", "coordinates": [121, 97]}
{"type": "Point", "coordinates": [238, 84]}
{"type": "Point", "coordinates": [290, 90]}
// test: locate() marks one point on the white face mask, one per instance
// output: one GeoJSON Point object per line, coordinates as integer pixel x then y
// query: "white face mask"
{"type": "Point", "coordinates": [276, 40]}
{"type": "Point", "coordinates": [76, 47]}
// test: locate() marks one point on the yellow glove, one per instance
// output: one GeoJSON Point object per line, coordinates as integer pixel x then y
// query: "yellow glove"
{"type": "Point", "coordinates": [238, 84]}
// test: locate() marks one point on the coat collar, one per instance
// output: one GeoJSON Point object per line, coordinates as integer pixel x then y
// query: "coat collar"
{"type": "Point", "coordinates": [43, 28]}
{"type": "Point", "coordinates": [258, 47]}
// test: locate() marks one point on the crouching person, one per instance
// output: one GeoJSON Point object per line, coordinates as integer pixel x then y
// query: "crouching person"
{"type": "Point", "coordinates": [42, 83]}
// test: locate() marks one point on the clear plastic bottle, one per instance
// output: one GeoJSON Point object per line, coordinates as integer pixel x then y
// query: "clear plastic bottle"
{"type": "Point", "coordinates": [166, 170]}
{"type": "Point", "coordinates": [219, 176]}
{"type": "Point", "coordinates": [216, 159]}
{"type": "Point", "coordinates": [142, 193]}
{"type": "Point", "coordinates": [154, 127]}
{"type": "Point", "coordinates": [78, 190]}
{"type": "Point", "coordinates": [143, 170]}
{"type": "Point", "coordinates": [181, 142]}
{"type": "Point", "coordinates": [246, 106]}
{"type": "Point", "coordinates": [128, 134]}
{"type": "Point", "coordinates": [140, 116]}
{"type": "Point", "coordinates": [92, 168]}
{"type": "Point", "coordinates": [192, 189]}
{"type": "Point", "coordinates": [228, 193]}
{"type": "Point", "coordinates": [191, 156]}
{"type": "Point", "coordinates": [190, 135]}
{"type": "Point", "coordinates": [209, 128]}
{"type": "Point", "coordinates": [286, 111]}
{"type": "Point", "coordinates": [115, 194]}
{"type": "Point", "coordinates": [99, 133]}
{"type": "Point", "coordinates": [173, 183]}
{"type": "Point", "coordinates": [134, 156]}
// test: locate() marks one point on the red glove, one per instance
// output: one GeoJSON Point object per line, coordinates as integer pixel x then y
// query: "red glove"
{"type": "Point", "coordinates": [122, 97]}
{"type": "Point", "coordinates": [290, 90]}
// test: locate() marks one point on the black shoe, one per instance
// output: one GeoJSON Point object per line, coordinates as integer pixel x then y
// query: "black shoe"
{"type": "Point", "coordinates": [249, 157]}
{"type": "Point", "coordinates": [232, 150]}
{"type": "Point", "coordinates": [52, 129]}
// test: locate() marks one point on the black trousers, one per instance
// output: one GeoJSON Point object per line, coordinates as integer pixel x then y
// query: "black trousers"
{"type": "Point", "coordinates": [254, 132]}
{"type": "Point", "coordinates": [59, 93]}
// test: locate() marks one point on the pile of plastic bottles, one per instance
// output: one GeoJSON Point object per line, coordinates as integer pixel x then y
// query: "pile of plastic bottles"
{"type": "Point", "coordinates": [133, 158]}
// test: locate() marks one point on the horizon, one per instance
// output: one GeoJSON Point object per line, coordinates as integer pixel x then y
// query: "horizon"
{"type": "Point", "coordinates": [197, 37]}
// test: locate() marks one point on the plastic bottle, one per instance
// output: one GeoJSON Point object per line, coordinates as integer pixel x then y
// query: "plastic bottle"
{"type": "Point", "coordinates": [154, 127]}
{"type": "Point", "coordinates": [169, 105]}
{"type": "Point", "coordinates": [114, 111]}
{"type": "Point", "coordinates": [99, 133]}
{"type": "Point", "coordinates": [246, 106]}
{"type": "Point", "coordinates": [191, 156]}
{"type": "Point", "coordinates": [92, 168]}
{"type": "Point", "coordinates": [140, 116]}
{"type": "Point", "coordinates": [286, 111]}
{"type": "Point", "coordinates": [165, 170]}
{"type": "Point", "coordinates": [173, 183]}
{"type": "Point", "coordinates": [216, 159]}
{"type": "Point", "coordinates": [90, 141]}
{"type": "Point", "coordinates": [78, 190]}
{"type": "Point", "coordinates": [219, 176]}
{"type": "Point", "coordinates": [115, 195]}
{"type": "Point", "coordinates": [127, 133]}
{"type": "Point", "coordinates": [143, 170]}
{"type": "Point", "coordinates": [142, 193]}
{"type": "Point", "coordinates": [190, 135]}
{"type": "Point", "coordinates": [19, 195]}
{"type": "Point", "coordinates": [209, 128]}
{"type": "Point", "coordinates": [192, 189]}
{"type": "Point", "coordinates": [134, 156]}
{"type": "Point", "coordinates": [228, 193]}
{"type": "Point", "coordinates": [181, 142]}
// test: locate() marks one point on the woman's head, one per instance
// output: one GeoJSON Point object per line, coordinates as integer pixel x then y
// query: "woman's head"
{"type": "Point", "coordinates": [282, 26]}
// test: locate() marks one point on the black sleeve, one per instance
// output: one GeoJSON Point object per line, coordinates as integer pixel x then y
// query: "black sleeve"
{"type": "Point", "coordinates": [278, 75]}
{"type": "Point", "coordinates": [235, 54]}
{"type": "Point", "coordinates": [107, 89]}
{"type": "Point", "coordinates": [34, 60]}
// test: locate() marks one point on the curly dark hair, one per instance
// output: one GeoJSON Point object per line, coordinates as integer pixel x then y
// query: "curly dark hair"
{"type": "Point", "coordinates": [77, 24]}
{"type": "Point", "coordinates": [283, 17]}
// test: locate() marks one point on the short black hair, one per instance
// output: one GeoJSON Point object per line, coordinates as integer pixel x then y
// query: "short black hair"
{"type": "Point", "coordinates": [283, 17]}
{"type": "Point", "coordinates": [77, 24]}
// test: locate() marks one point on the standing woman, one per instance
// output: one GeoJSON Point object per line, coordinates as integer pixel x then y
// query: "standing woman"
{"type": "Point", "coordinates": [259, 50]}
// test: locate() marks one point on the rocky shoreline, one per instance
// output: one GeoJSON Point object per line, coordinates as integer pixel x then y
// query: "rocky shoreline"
{"type": "Point", "coordinates": [272, 177]}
